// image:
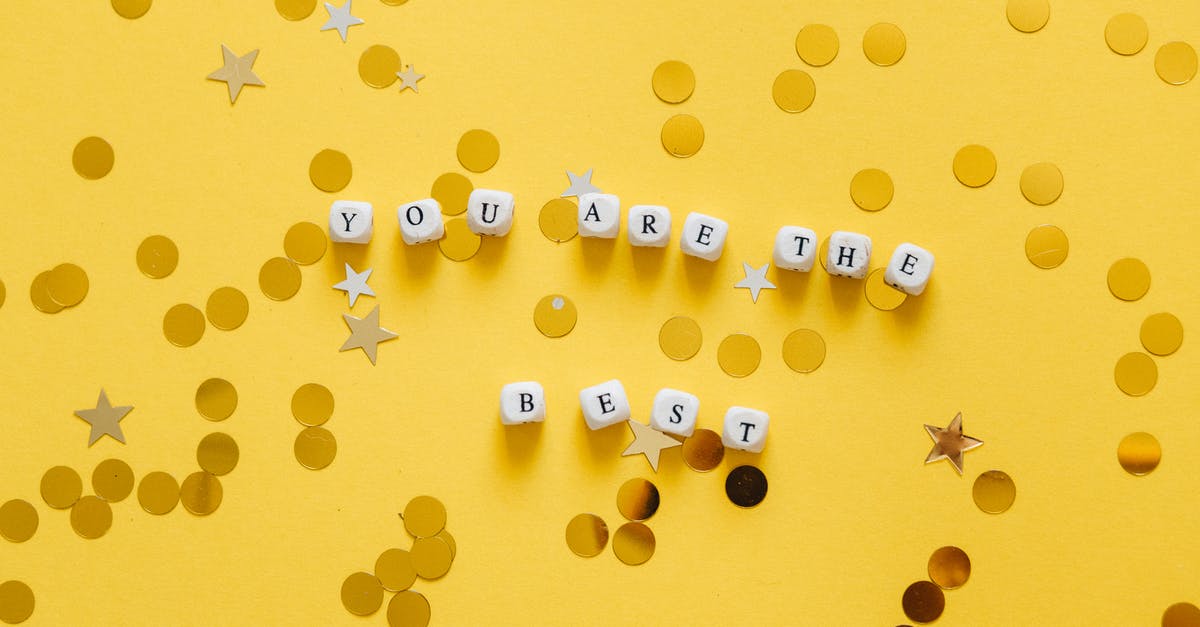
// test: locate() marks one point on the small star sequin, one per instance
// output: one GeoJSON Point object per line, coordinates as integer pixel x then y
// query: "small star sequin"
{"type": "Point", "coordinates": [580, 184]}
{"type": "Point", "coordinates": [365, 333]}
{"type": "Point", "coordinates": [950, 443]}
{"type": "Point", "coordinates": [755, 281]}
{"type": "Point", "coordinates": [649, 442]}
{"type": "Point", "coordinates": [340, 19]}
{"type": "Point", "coordinates": [355, 284]}
{"type": "Point", "coordinates": [408, 79]}
{"type": "Point", "coordinates": [104, 419]}
{"type": "Point", "coordinates": [237, 72]}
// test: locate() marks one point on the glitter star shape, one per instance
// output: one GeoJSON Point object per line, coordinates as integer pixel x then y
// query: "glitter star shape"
{"type": "Point", "coordinates": [104, 419]}
{"type": "Point", "coordinates": [649, 442]}
{"type": "Point", "coordinates": [408, 79]}
{"type": "Point", "coordinates": [755, 281]}
{"type": "Point", "coordinates": [237, 72]}
{"type": "Point", "coordinates": [580, 184]}
{"type": "Point", "coordinates": [340, 19]}
{"type": "Point", "coordinates": [365, 333]}
{"type": "Point", "coordinates": [355, 284]}
{"type": "Point", "coordinates": [950, 443]}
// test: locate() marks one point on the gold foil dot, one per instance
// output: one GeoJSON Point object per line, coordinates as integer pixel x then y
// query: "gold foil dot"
{"type": "Point", "coordinates": [881, 295]}
{"type": "Point", "coordinates": [1162, 333]}
{"type": "Point", "coordinates": [559, 220]}
{"type": "Point", "coordinates": [312, 404]}
{"type": "Point", "coordinates": [112, 480]}
{"type": "Point", "coordinates": [61, 487]}
{"type": "Point", "coordinates": [394, 3]}
{"type": "Point", "coordinates": [2, 293]}
{"type": "Point", "coordinates": [1042, 183]}
{"type": "Point", "coordinates": [305, 243]}
{"type": "Point", "coordinates": [1135, 374]}
{"type": "Point", "coordinates": [279, 278]}
{"type": "Point", "coordinates": [40, 296]}
{"type": "Point", "coordinates": [201, 493]}
{"type": "Point", "coordinates": [408, 608]}
{"type": "Point", "coordinates": [131, 9]}
{"type": "Point", "coordinates": [793, 91]}
{"type": "Point", "coordinates": [746, 486]}
{"type": "Point", "coordinates": [884, 44]}
{"type": "Point", "coordinates": [682, 135]}
{"type": "Point", "coordinates": [216, 399]}
{"type": "Point", "coordinates": [871, 189]}
{"type": "Point", "coordinates": [362, 594]}
{"type": "Point", "coordinates": [424, 516]}
{"type": "Point", "coordinates": [637, 499]}
{"type": "Point", "coordinates": [554, 315]}
{"type": "Point", "coordinates": [227, 308]}
{"type": "Point", "coordinates": [217, 453]}
{"type": "Point", "coordinates": [395, 570]}
{"type": "Point", "coordinates": [817, 44]}
{"type": "Point", "coordinates": [183, 325]}
{"type": "Point", "coordinates": [923, 601]}
{"type": "Point", "coordinates": [974, 165]}
{"type": "Point", "coordinates": [633, 543]}
{"type": "Point", "coordinates": [431, 557]}
{"type": "Point", "coordinates": [1175, 63]}
{"type": "Point", "coordinates": [1028, 16]}
{"type": "Point", "coordinates": [67, 284]}
{"type": "Point", "coordinates": [1046, 246]}
{"type": "Point", "coordinates": [680, 338]}
{"type": "Point", "coordinates": [949, 567]}
{"type": "Point", "coordinates": [804, 350]}
{"type": "Point", "coordinates": [703, 450]}
{"type": "Point", "coordinates": [315, 448]}
{"type": "Point", "coordinates": [93, 158]}
{"type": "Point", "coordinates": [1128, 279]}
{"type": "Point", "coordinates": [452, 191]}
{"type": "Point", "coordinates": [91, 517]}
{"type": "Point", "coordinates": [330, 170]}
{"type": "Point", "coordinates": [16, 602]}
{"type": "Point", "coordinates": [157, 256]}
{"type": "Point", "coordinates": [739, 355]}
{"type": "Point", "coordinates": [673, 81]}
{"type": "Point", "coordinates": [295, 9]}
{"type": "Point", "coordinates": [158, 493]}
{"type": "Point", "coordinates": [460, 243]}
{"type": "Point", "coordinates": [18, 520]}
{"type": "Point", "coordinates": [1126, 34]}
{"type": "Point", "coordinates": [1139, 453]}
{"type": "Point", "coordinates": [449, 539]}
{"type": "Point", "coordinates": [1181, 615]}
{"type": "Point", "coordinates": [378, 66]}
{"type": "Point", "coordinates": [994, 491]}
{"type": "Point", "coordinates": [823, 253]}
{"type": "Point", "coordinates": [478, 150]}
{"type": "Point", "coordinates": [587, 535]}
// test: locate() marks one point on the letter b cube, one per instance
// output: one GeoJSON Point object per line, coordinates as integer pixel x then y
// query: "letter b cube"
{"type": "Point", "coordinates": [522, 402]}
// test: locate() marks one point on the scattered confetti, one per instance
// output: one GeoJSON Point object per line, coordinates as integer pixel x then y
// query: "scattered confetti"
{"type": "Point", "coordinates": [158, 493]}
{"type": "Point", "coordinates": [227, 308]}
{"type": "Point", "coordinates": [112, 480]}
{"type": "Point", "coordinates": [395, 570]}
{"type": "Point", "coordinates": [554, 315]}
{"type": "Point", "coordinates": [950, 443]}
{"type": "Point", "coordinates": [305, 243]}
{"type": "Point", "coordinates": [871, 189]}
{"type": "Point", "coordinates": [431, 557]}
{"type": "Point", "coordinates": [755, 280]}
{"type": "Point", "coordinates": [409, 79]}
{"type": "Point", "coordinates": [61, 487]}
{"type": "Point", "coordinates": [216, 399]}
{"type": "Point", "coordinates": [881, 295]}
{"type": "Point", "coordinates": [1181, 615]}
{"type": "Point", "coordinates": [1139, 453]}
{"type": "Point", "coordinates": [680, 338]}
{"type": "Point", "coordinates": [804, 350]}
{"type": "Point", "coordinates": [633, 543]}
{"type": "Point", "coordinates": [315, 448]}
{"type": "Point", "coordinates": [460, 243]}
{"type": "Point", "coordinates": [91, 517]}
{"type": "Point", "coordinates": [1046, 246]}
{"type": "Point", "coordinates": [201, 493]}
{"type": "Point", "coordinates": [67, 284]}
{"type": "Point", "coordinates": [1126, 34]}
{"type": "Point", "coordinates": [1161, 334]}
{"type": "Point", "coordinates": [682, 135]}
{"type": "Point", "coordinates": [817, 44]}
{"type": "Point", "coordinates": [355, 284]}
{"type": "Point", "coordinates": [1175, 63]}
{"type": "Point", "coordinates": [340, 19]}
{"type": "Point", "coordinates": [478, 150]}
{"type": "Point", "coordinates": [295, 10]}
{"type": "Point", "coordinates": [93, 158]}
{"type": "Point", "coordinates": [793, 91]}
{"type": "Point", "coordinates": [18, 520]}
{"type": "Point", "coordinates": [217, 453]}
{"type": "Point", "coordinates": [16, 602]}
{"type": "Point", "coordinates": [40, 296]}
{"type": "Point", "coordinates": [974, 165]}
{"type": "Point", "coordinates": [378, 66]}
{"type": "Point", "coordinates": [408, 608]}
{"type": "Point", "coordinates": [1042, 183]}
{"type": "Point", "coordinates": [365, 333]}
{"type": "Point", "coordinates": [580, 184]}
{"type": "Point", "coordinates": [1028, 16]}
{"type": "Point", "coordinates": [638, 499]}
{"type": "Point", "coordinates": [648, 442]}
{"type": "Point", "coordinates": [424, 516]}
{"type": "Point", "coordinates": [157, 256]}
{"type": "Point", "coordinates": [362, 593]}
{"type": "Point", "coordinates": [131, 9]}
{"type": "Point", "coordinates": [183, 325]}
{"type": "Point", "coordinates": [994, 491]}
{"type": "Point", "coordinates": [949, 567]}
{"type": "Point", "coordinates": [884, 44]}
{"type": "Point", "coordinates": [1128, 279]}
{"type": "Point", "coordinates": [1135, 374]}
{"type": "Point", "coordinates": [739, 355]}
{"type": "Point", "coordinates": [559, 220]}
{"type": "Point", "coordinates": [330, 170]}
{"type": "Point", "coordinates": [237, 72]}
{"type": "Point", "coordinates": [104, 419]}
{"type": "Point", "coordinates": [587, 535]}
{"type": "Point", "coordinates": [279, 278]}
{"type": "Point", "coordinates": [673, 81]}
{"type": "Point", "coordinates": [452, 190]}
{"type": "Point", "coordinates": [923, 602]}
{"type": "Point", "coordinates": [746, 486]}
{"type": "Point", "coordinates": [312, 404]}
{"type": "Point", "coordinates": [703, 450]}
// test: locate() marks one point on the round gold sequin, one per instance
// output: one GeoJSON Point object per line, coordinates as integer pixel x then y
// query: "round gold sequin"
{"type": "Point", "coordinates": [746, 486]}
{"type": "Point", "coordinates": [478, 150]}
{"type": "Point", "coordinates": [330, 170]}
{"type": "Point", "coordinates": [739, 355]}
{"type": "Point", "coordinates": [1128, 279]}
{"type": "Point", "coordinates": [67, 284]}
{"type": "Point", "coordinates": [449, 539]}
{"type": "Point", "coordinates": [18, 520]}
{"type": "Point", "coordinates": [633, 543]}
{"type": "Point", "coordinates": [682, 135]}
{"type": "Point", "coordinates": [295, 9]}
{"type": "Point", "coordinates": [16, 602]}
{"type": "Point", "coordinates": [362, 594]}
{"type": "Point", "coordinates": [1139, 453]}
{"type": "Point", "coordinates": [1162, 333]}
{"type": "Point", "coordinates": [131, 9]}
{"type": "Point", "coordinates": [871, 189]}
{"type": "Point", "coordinates": [460, 243]}
{"type": "Point", "coordinates": [673, 81]}
{"type": "Point", "coordinates": [974, 165]}
{"type": "Point", "coordinates": [61, 487]}
{"type": "Point", "coordinates": [305, 243]}
{"type": "Point", "coordinates": [395, 570]}
{"type": "Point", "coordinates": [637, 499]}
{"type": "Point", "coordinates": [793, 91]}
{"type": "Point", "coordinates": [315, 448]}
{"type": "Point", "coordinates": [680, 338]}
{"type": "Point", "coordinates": [1042, 183]}
{"type": "Point", "coordinates": [408, 608]}
{"type": "Point", "coordinates": [216, 399]}
{"type": "Point", "coordinates": [93, 158]}
{"type": "Point", "coordinates": [377, 66]}
{"type": "Point", "coordinates": [559, 220]}
{"type": "Point", "coordinates": [279, 278]}
{"type": "Point", "coordinates": [112, 480]}
{"type": "Point", "coordinates": [40, 296]}
{"type": "Point", "coordinates": [1135, 374]}
{"type": "Point", "coordinates": [1028, 16]}
{"type": "Point", "coordinates": [1046, 246]}
{"type": "Point", "coordinates": [424, 516]}
{"type": "Point", "coordinates": [2, 293]}
{"type": "Point", "coordinates": [1181, 615]}
{"type": "Point", "coordinates": [949, 567]}
{"type": "Point", "coordinates": [158, 493]}
{"type": "Point", "coordinates": [703, 450]}
{"type": "Point", "coordinates": [817, 44]}
{"type": "Point", "coordinates": [394, 3]}
{"type": "Point", "coordinates": [881, 295]}
{"type": "Point", "coordinates": [217, 453]}
{"type": "Point", "coordinates": [312, 404]}
{"type": "Point", "coordinates": [431, 557]}
{"type": "Point", "coordinates": [554, 315]}
{"type": "Point", "coordinates": [157, 256]}
{"type": "Point", "coordinates": [884, 44]}
{"type": "Point", "coordinates": [452, 191]}
{"type": "Point", "coordinates": [227, 308]}
{"type": "Point", "coordinates": [201, 493]}
{"type": "Point", "coordinates": [804, 350]}
{"type": "Point", "coordinates": [587, 535]}
{"type": "Point", "coordinates": [91, 517]}
{"type": "Point", "coordinates": [1175, 62]}
{"type": "Point", "coordinates": [183, 325]}
{"type": "Point", "coordinates": [1126, 34]}
{"type": "Point", "coordinates": [994, 491]}
{"type": "Point", "coordinates": [923, 601]}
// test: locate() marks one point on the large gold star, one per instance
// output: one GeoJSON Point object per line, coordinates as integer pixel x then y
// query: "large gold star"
{"type": "Point", "coordinates": [236, 72]}
{"type": "Point", "coordinates": [950, 443]}
{"type": "Point", "coordinates": [104, 419]}
{"type": "Point", "coordinates": [365, 333]}
{"type": "Point", "coordinates": [649, 442]}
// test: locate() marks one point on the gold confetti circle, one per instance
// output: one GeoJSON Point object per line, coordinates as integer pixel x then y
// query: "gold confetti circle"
{"type": "Point", "coordinates": [1126, 34]}
{"type": "Point", "coordinates": [449, 539]}
{"type": "Point", "coordinates": [158, 493]}
{"type": "Point", "coordinates": [923, 602]}
{"type": "Point", "coordinates": [673, 81]}
{"type": "Point", "coordinates": [157, 256]}
{"type": "Point", "coordinates": [881, 295]}
{"type": "Point", "coordinates": [746, 486]}
{"type": "Point", "coordinates": [67, 284]}
{"type": "Point", "coordinates": [183, 325]}
{"type": "Point", "coordinates": [18, 520]}
{"type": "Point", "coordinates": [330, 170]}
{"type": "Point", "coordinates": [1028, 16]}
{"type": "Point", "coordinates": [884, 44]}
{"type": "Point", "coordinates": [682, 135]}
{"type": "Point", "coordinates": [131, 9]}
{"type": "Point", "coordinates": [312, 404]}
{"type": "Point", "coordinates": [2, 293]}
{"type": "Point", "coordinates": [227, 308]}
{"type": "Point", "coordinates": [1181, 615]}
{"type": "Point", "coordinates": [1175, 63]}
{"type": "Point", "coordinates": [408, 608]}
{"type": "Point", "coordinates": [1046, 246]}
{"type": "Point", "coordinates": [362, 594]}
{"type": "Point", "coordinates": [295, 10]}
{"type": "Point", "coordinates": [91, 517]}
{"type": "Point", "coordinates": [394, 3]}
{"type": "Point", "coordinates": [201, 493]}
{"type": "Point", "coordinates": [1135, 374]}
{"type": "Point", "coordinates": [994, 491]}
{"type": "Point", "coordinates": [637, 499]}
{"type": "Point", "coordinates": [804, 350]}
{"type": "Point", "coordinates": [559, 220]}
{"type": "Point", "coordinates": [395, 570]}
{"type": "Point", "coordinates": [279, 278]}
{"type": "Point", "coordinates": [315, 448]}
{"type": "Point", "coordinates": [478, 150]}
{"type": "Point", "coordinates": [16, 602]}
{"type": "Point", "coordinates": [61, 487]}
{"type": "Point", "coordinates": [817, 44]}
{"type": "Point", "coordinates": [305, 243]}
{"type": "Point", "coordinates": [680, 338]}
{"type": "Point", "coordinates": [1139, 453]}
{"type": "Point", "coordinates": [460, 243]}
{"type": "Point", "coordinates": [554, 315]}
{"type": "Point", "coordinates": [949, 567]}
{"type": "Point", "coordinates": [871, 189]}
{"type": "Point", "coordinates": [587, 535]}
{"type": "Point", "coordinates": [93, 158]}
{"type": "Point", "coordinates": [1128, 279]}
{"type": "Point", "coordinates": [793, 91]}
{"type": "Point", "coordinates": [739, 355]}
{"type": "Point", "coordinates": [217, 453]}
{"type": "Point", "coordinates": [40, 296]}
{"type": "Point", "coordinates": [703, 450]}
{"type": "Point", "coordinates": [1161, 334]}
{"type": "Point", "coordinates": [216, 399]}
{"type": "Point", "coordinates": [112, 480]}
{"type": "Point", "coordinates": [431, 557]}
{"type": "Point", "coordinates": [424, 516]}
{"type": "Point", "coordinates": [974, 165]}
{"type": "Point", "coordinates": [452, 191]}
{"type": "Point", "coordinates": [633, 543]}
{"type": "Point", "coordinates": [1042, 183]}
{"type": "Point", "coordinates": [378, 66]}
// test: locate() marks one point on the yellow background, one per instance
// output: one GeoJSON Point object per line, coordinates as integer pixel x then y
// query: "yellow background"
{"type": "Point", "coordinates": [852, 514]}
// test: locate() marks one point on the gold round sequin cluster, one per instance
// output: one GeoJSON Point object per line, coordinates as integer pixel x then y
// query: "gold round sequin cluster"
{"type": "Point", "coordinates": [739, 355]}
{"type": "Point", "coordinates": [924, 601]}
{"type": "Point", "coordinates": [817, 45]}
{"type": "Point", "coordinates": [312, 406]}
{"type": "Point", "coordinates": [64, 286]}
{"type": "Point", "coordinates": [682, 134]}
{"type": "Point", "coordinates": [91, 515]}
{"type": "Point", "coordinates": [1161, 334]}
{"type": "Point", "coordinates": [633, 543]}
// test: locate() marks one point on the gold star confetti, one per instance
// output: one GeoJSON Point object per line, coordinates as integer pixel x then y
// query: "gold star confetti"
{"type": "Point", "coordinates": [104, 419]}
{"type": "Point", "coordinates": [950, 443]}
{"type": "Point", "coordinates": [408, 79]}
{"type": "Point", "coordinates": [237, 72]}
{"type": "Point", "coordinates": [365, 333]}
{"type": "Point", "coordinates": [648, 442]}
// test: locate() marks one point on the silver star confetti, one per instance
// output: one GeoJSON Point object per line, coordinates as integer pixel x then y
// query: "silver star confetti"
{"type": "Point", "coordinates": [755, 281]}
{"type": "Point", "coordinates": [580, 184]}
{"type": "Point", "coordinates": [340, 19]}
{"type": "Point", "coordinates": [649, 442]}
{"type": "Point", "coordinates": [236, 72]}
{"type": "Point", "coordinates": [355, 284]}
{"type": "Point", "coordinates": [104, 419]}
{"type": "Point", "coordinates": [408, 79]}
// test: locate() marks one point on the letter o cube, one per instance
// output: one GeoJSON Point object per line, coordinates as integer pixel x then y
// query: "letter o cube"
{"type": "Point", "coordinates": [421, 221]}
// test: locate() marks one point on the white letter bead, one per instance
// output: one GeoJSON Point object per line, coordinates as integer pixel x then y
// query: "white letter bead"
{"type": "Point", "coordinates": [795, 248]}
{"type": "Point", "coordinates": [909, 269]}
{"type": "Point", "coordinates": [522, 402]}
{"type": "Point", "coordinates": [490, 212]}
{"type": "Point", "coordinates": [604, 404]}
{"type": "Point", "coordinates": [745, 429]}
{"type": "Point", "coordinates": [675, 412]}
{"type": "Point", "coordinates": [421, 221]}
{"type": "Point", "coordinates": [351, 221]}
{"type": "Point", "coordinates": [649, 225]}
{"type": "Point", "coordinates": [849, 254]}
{"type": "Point", "coordinates": [704, 236]}
{"type": "Point", "coordinates": [599, 215]}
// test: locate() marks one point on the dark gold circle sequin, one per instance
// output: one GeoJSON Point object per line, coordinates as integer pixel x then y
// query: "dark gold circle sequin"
{"type": "Point", "coordinates": [1181, 615]}
{"type": "Point", "coordinates": [67, 284]}
{"type": "Point", "coordinates": [158, 493]}
{"type": "Point", "coordinates": [1139, 453]}
{"type": "Point", "coordinates": [871, 189]}
{"type": "Point", "coordinates": [201, 493]}
{"type": "Point", "coordinates": [315, 448]}
{"type": "Point", "coordinates": [881, 295]}
{"type": "Point", "coordinates": [93, 158]}
{"type": "Point", "coordinates": [395, 570]}
{"type": "Point", "coordinates": [91, 517]}
{"type": "Point", "coordinates": [637, 499]}
{"type": "Point", "coordinates": [587, 535]}
{"type": "Point", "coordinates": [1028, 16]}
{"type": "Point", "coordinates": [305, 243]}
{"type": "Point", "coordinates": [554, 315]}
{"type": "Point", "coordinates": [1046, 246]}
{"type": "Point", "coordinates": [227, 308]}
{"type": "Point", "coordinates": [449, 539]}
{"type": "Point", "coordinates": [460, 243]}
{"type": "Point", "coordinates": [994, 491]}
{"type": "Point", "coordinates": [739, 355]}
{"type": "Point", "coordinates": [377, 66]}
{"type": "Point", "coordinates": [1135, 374]}
{"type": "Point", "coordinates": [949, 567]}
{"type": "Point", "coordinates": [408, 609]}
{"type": "Point", "coordinates": [40, 296]}
{"type": "Point", "coordinates": [633, 543]}
{"type": "Point", "coordinates": [1161, 333]}
{"type": "Point", "coordinates": [295, 10]}
{"type": "Point", "coordinates": [112, 480]}
{"type": "Point", "coordinates": [431, 557]}
{"type": "Point", "coordinates": [1042, 183]}
{"type": "Point", "coordinates": [923, 602]}
{"type": "Point", "coordinates": [1126, 34]}
{"type": "Point", "coordinates": [478, 150]}
{"type": "Point", "coordinates": [217, 453]}
{"type": "Point", "coordinates": [2, 293]}
{"type": "Point", "coordinates": [793, 91]}
{"type": "Point", "coordinates": [559, 220]}
{"type": "Point", "coordinates": [61, 487]}
{"type": "Point", "coordinates": [817, 44]}
{"type": "Point", "coordinates": [974, 165]}
{"type": "Point", "coordinates": [183, 325]}
{"type": "Point", "coordinates": [682, 135]}
{"type": "Point", "coordinates": [18, 520]}
{"type": "Point", "coordinates": [157, 256]}
{"type": "Point", "coordinates": [362, 594]}
{"type": "Point", "coordinates": [452, 191]}
{"type": "Point", "coordinates": [424, 516]}
{"type": "Point", "coordinates": [16, 602]}
{"type": "Point", "coordinates": [1128, 279]}
{"type": "Point", "coordinates": [279, 278]}
{"type": "Point", "coordinates": [703, 450]}
{"type": "Point", "coordinates": [884, 44]}
{"type": "Point", "coordinates": [312, 404]}
{"type": "Point", "coordinates": [1176, 63]}
{"type": "Point", "coordinates": [804, 350]}
{"type": "Point", "coordinates": [680, 338]}
{"type": "Point", "coordinates": [746, 486]}
{"type": "Point", "coordinates": [216, 399]}
{"type": "Point", "coordinates": [673, 81]}
{"type": "Point", "coordinates": [131, 9]}
{"type": "Point", "coordinates": [330, 170]}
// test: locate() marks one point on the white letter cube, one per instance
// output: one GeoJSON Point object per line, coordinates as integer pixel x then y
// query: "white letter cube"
{"type": "Point", "coordinates": [604, 404]}
{"type": "Point", "coordinates": [649, 225]}
{"type": "Point", "coordinates": [849, 254]}
{"type": "Point", "coordinates": [351, 221]}
{"type": "Point", "coordinates": [599, 215]}
{"type": "Point", "coordinates": [704, 236]}
{"type": "Point", "coordinates": [909, 269]}
{"type": "Point", "coordinates": [675, 412]}
{"type": "Point", "coordinates": [522, 402]}
{"type": "Point", "coordinates": [745, 429]}
{"type": "Point", "coordinates": [421, 221]}
{"type": "Point", "coordinates": [795, 248]}
{"type": "Point", "coordinates": [490, 212]}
